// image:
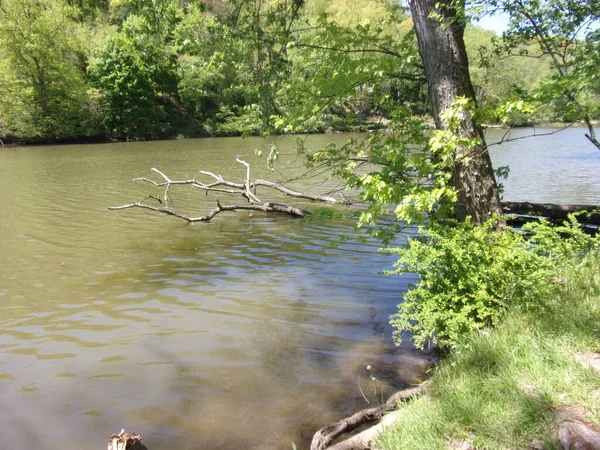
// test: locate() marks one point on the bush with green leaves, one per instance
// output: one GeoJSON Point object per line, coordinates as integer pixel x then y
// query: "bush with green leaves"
{"type": "Point", "coordinates": [469, 274]}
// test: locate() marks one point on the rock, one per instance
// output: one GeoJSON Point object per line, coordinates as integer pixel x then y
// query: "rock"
{"type": "Point", "coordinates": [574, 434]}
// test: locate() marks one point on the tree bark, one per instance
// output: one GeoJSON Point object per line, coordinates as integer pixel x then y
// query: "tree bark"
{"type": "Point", "coordinates": [444, 56]}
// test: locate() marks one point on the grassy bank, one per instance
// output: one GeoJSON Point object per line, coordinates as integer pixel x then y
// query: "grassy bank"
{"type": "Point", "coordinates": [500, 388]}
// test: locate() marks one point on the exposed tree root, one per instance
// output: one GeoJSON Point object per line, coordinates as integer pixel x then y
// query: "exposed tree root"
{"type": "Point", "coordinates": [365, 439]}
{"type": "Point", "coordinates": [325, 436]}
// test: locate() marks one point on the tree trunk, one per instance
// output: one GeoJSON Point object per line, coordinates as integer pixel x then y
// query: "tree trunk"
{"type": "Point", "coordinates": [444, 56]}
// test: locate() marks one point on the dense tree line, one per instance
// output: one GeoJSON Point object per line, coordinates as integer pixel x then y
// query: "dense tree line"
{"type": "Point", "coordinates": [140, 69]}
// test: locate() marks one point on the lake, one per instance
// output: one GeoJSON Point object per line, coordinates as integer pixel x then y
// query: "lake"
{"type": "Point", "coordinates": [250, 331]}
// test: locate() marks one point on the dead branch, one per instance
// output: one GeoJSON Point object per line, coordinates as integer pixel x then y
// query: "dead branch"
{"type": "Point", "coordinates": [291, 193]}
{"type": "Point", "coordinates": [220, 185]}
{"type": "Point", "coordinates": [327, 435]}
{"type": "Point", "coordinates": [264, 207]}
{"type": "Point", "coordinates": [249, 195]}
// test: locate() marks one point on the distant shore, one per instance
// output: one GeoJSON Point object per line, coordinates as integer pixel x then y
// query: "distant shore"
{"type": "Point", "coordinates": [12, 141]}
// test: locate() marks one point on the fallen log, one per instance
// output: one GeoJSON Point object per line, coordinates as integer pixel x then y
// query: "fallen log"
{"type": "Point", "coordinates": [552, 211]}
{"type": "Point", "coordinates": [326, 435]}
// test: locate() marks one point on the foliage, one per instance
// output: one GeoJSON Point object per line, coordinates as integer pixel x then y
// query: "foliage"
{"type": "Point", "coordinates": [387, 172]}
{"type": "Point", "coordinates": [43, 85]}
{"type": "Point", "coordinates": [505, 83]}
{"type": "Point", "coordinates": [216, 84]}
{"type": "Point", "coordinates": [348, 74]}
{"type": "Point", "coordinates": [249, 66]}
{"type": "Point", "coordinates": [501, 387]}
{"type": "Point", "coordinates": [566, 35]}
{"type": "Point", "coordinates": [134, 72]}
{"type": "Point", "coordinates": [470, 274]}
{"type": "Point", "coordinates": [404, 172]}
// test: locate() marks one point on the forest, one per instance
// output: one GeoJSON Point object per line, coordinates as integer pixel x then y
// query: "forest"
{"type": "Point", "coordinates": [96, 70]}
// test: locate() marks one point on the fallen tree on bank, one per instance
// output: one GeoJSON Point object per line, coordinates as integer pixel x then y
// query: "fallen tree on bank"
{"type": "Point", "coordinates": [555, 212]}
{"type": "Point", "coordinates": [246, 190]}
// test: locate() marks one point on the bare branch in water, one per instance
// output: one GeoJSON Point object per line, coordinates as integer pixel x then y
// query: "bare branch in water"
{"type": "Point", "coordinates": [220, 185]}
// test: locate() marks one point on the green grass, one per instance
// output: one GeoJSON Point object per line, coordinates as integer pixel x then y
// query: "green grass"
{"type": "Point", "coordinates": [499, 388]}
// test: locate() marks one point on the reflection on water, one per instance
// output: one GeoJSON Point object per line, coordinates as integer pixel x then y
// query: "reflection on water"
{"type": "Point", "coordinates": [250, 331]}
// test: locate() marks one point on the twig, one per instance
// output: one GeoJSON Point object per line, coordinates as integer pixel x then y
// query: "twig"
{"type": "Point", "coordinates": [502, 141]}
{"type": "Point", "coordinates": [251, 197]}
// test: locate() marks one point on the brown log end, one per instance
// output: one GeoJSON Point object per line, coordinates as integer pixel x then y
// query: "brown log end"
{"type": "Point", "coordinates": [125, 441]}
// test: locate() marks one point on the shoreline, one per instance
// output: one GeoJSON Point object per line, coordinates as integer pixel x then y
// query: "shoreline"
{"type": "Point", "coordinates": [11, 141]}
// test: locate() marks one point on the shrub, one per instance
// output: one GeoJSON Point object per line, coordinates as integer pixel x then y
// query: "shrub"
{"type": "Point", "coordinates": [469, 274]}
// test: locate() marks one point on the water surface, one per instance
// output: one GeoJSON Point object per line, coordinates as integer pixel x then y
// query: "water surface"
{"type": "Point", "coordinates": [247, 332]}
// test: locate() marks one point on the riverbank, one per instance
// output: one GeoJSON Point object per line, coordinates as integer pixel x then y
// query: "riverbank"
{"type": "Point", "coordinates": [367, 126]}
{"type": "Point", "coordinates": [510, 387]}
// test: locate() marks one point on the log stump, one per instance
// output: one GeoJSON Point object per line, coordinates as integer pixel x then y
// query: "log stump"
{"type": "Point", "coordinates": [126, 441]}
